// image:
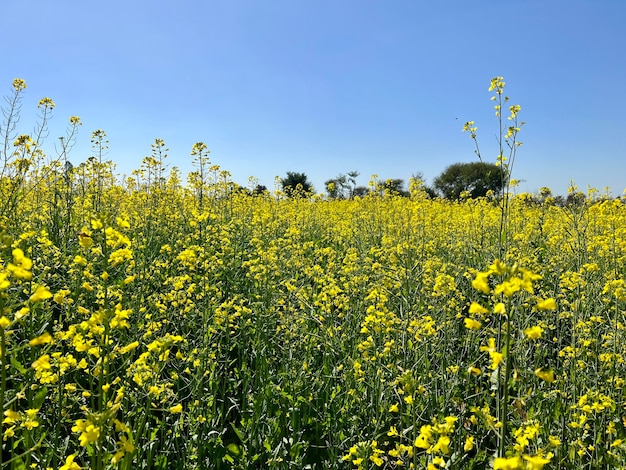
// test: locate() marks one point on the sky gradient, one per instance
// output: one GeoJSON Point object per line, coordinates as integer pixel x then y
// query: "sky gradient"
{"type": "Point", "coordinates": [326, 87]}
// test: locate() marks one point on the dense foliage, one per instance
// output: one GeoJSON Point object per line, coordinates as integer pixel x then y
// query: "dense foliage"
{"type": "Point", "coordinates": [476, 179]}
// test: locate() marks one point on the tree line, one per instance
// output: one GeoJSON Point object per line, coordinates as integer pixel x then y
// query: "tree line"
{"type": "Point", "coordinates": [458, 180]}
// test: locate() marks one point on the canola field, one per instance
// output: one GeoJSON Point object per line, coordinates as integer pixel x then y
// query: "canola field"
{"type": "Point", "coordinates": [147, 323]}
{"type": "Point", "coordinates": [145, 327]}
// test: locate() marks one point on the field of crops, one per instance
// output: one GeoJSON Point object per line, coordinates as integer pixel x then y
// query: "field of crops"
{"type": "Point", "coordinates": [147, 325]}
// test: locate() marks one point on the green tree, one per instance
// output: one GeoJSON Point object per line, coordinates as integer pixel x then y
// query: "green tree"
{"type": "Point", "coordinates": [393, 187]}
{"type": "Point", "coordinates": [476, 178]}
{"type": "Point", "coordinates": [342, 186]}
{"type": "Point", "coordinates": [296, 184]}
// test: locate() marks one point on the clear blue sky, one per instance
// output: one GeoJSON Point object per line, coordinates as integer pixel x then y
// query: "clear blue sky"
{"type": "Point", "coordinates": [330, 86]}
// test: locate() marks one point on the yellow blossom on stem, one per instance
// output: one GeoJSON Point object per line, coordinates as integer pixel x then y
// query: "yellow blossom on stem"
{"type": "Point", "coordinates": [536, 462]}
{"type": "Point", "coordinates": [176, 408]}
{"type": "Point", "coordinates": [546, 375]}
{"type": "Point", "coordinates": [472, 324]}
{"type": "Point", "coordinates": [548, 304]}
{"type": "Point", "coordinates": [510, 463]}
{"type": "Point", "coordinates": [89, 432]}
{"type": "Point", "coordinates": [21, 265]}
{"type": "Point", "coordinates": [481, 282]}
{"type": "Point", "coordinates": [4, 322]}
{"type": "Point", "coordinates": [70, 464]}
{"type": "Point", "coordinates": [534, 332]}
{"type": "Point", "coordinates": [41, 293]}
{"type": "Point", "coordinates": [469, 443]}
{"type": "Point", "coordinates": [39, 340]}
{"type": "Point", "coordinates": [477, 308]}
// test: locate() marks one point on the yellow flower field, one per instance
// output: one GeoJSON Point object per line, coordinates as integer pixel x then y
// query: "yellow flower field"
{"type": "Point", "coordinates": [148, 323]}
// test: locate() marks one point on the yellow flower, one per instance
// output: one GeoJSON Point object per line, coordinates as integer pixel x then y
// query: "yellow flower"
{"type": "Point", "coordinates": [46, 103]}
{"type": "Point", "coordinates": [39, 340]}
{"type": "Point", "coordinates": [548, 304]}
{"type": "Point", "coordinates": [499, 308]}
{"type": "Point", "coordinates": [511, 463]}
{"type": "Point", "coordinates": [43, 363]}
{"type": "Point", "coordinates": [393, 408]}
{"type": "Point", "coordinates": [89, 432]}
{"type": "Point", "coordinates": [122, 223]}
{"type": "Point", "coordinates": [547, 375]}
{"type": "Point", "coordinates": [70, 464]}
{"type": "Point", "coordinates": [84, 240]}
{"type": "Point", "coordinates": [477, 308]}
{"type": "Point", "coordinates": [176, 409]}
{"type": "Point", "coordinates": [19, 84]}
{"type": "Point", "coordinates": [554, 441]}
{"type": "Point", "coordinates": [61, 296]}
{"type": "Point", "coordinates": [4, 282]}
{"type": "Point", "coordinates": [481, 282]}
{"type": "Point", "coordinates": [442, 445]}
{"type": "Point", "coordinates": [496, 359]}
{"type": "Point", "coordinates": [4, 322]}
{"type": "Point", "coordinates": [534, 332]}
{"type": "Point", "coordinates": [41, 293]}
{"type": "Point", "coordinates": [469, 443]}
{"type": "Point", "coordinates": [472, 324]}
{"type": "Point", "coordinates": [21, 265]}
{"type": "Point", "coordinates": [11, 417]}
{"type": "Point", "coordinates": [535, 463]}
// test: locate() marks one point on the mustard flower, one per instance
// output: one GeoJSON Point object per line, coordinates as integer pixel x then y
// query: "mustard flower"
{"type": "Point", "coordinates": [442, 445]}
{"type": "Point", "coordinates": [510, 463]}
{"type": "Point", "coordinates": [545, 375]}
{"type": "Point", "coordinates": [21, 265]}
{"type": "Point", "coordinates": [496, 357]}
{"type": "Point", "coordinates": [19, 84]}
{"type": "Point", "coordinates": [499, 308]}
{"type": "Point", "coordinates": [547, 304]}
{"type": "Point", "coordinates": [481, 282]}
{"type": "Point", "coordinates": [39, 340]}
{"type": "Point", "coordinates": [70, 464]}
{"type": "Point", "coordinates": [472, 324]}
{"type": "Point", "coordinates": [46, 103]}
{"type": "Point", "coordinates": [477, 308]}
{"type": "Point", "coordinates": [85, 241]}
{"type": "Point", "coordinates": [41, 293]}
{"type": "Point", "coordinates": [89, 432]}
{"type": "Point", "coordinates": [176, 408]}
{"type": "Point", "coordinates": [4, 282]}
{"type": "Point", "coordinates": [534, 332]}
{"type": "Point", "coordinates": [536, 463]}
{"type": "Point", "coordinates": [10, 417]}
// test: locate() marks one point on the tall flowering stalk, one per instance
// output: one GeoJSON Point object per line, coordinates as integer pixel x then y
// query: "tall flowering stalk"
{"type": "Point", "coordinates": [507, 151]}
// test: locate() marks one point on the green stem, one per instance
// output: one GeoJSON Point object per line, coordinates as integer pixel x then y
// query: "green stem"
{"type": "Point", "coordinates": [3, 373]}
{"type": "Point", "coordinates": [507, 377]}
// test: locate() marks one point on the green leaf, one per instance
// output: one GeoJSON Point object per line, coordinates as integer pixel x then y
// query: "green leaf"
{"type": "Point", "coordinates": [40, 397]}
{"type": "Point", "coordinates": [18, 365]}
